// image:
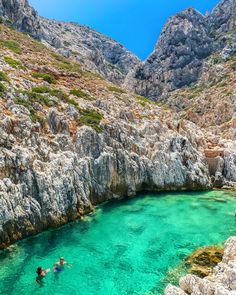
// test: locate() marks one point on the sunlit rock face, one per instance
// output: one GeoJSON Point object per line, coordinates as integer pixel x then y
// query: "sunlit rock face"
{"type": "Point", "coordinates": [186, 41]}
{"type": "Point", "coordinates": [222, 281]}
{"type": "Point", "coordinates": [47, 184]}
{"type": "Point", "coordinates": [177, 57]}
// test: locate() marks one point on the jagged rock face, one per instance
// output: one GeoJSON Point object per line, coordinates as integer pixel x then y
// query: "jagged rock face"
{"type": "Point", "coordinates": [223, 17]}
{"type": "Point", "coordinates": [178, 55]}
{"type": "Point", "coordinates": [94, 50]}
{"type": "Point", "coordinates": [21, 14]}
{"type": "Point", "coordinates": [186, 41]}
{"type": "Point", "coordinates": [222, 281]}
{"type": "Point", "coordinates": [54, 167]}
{"type": "Point", "coordinates": [46, 184]}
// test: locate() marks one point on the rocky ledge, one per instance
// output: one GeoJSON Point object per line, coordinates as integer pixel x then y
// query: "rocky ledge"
{"type": "Point", "coordinates": [221, 282]}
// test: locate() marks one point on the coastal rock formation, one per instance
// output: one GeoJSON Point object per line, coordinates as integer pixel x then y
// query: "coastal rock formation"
{"type": "Point", "coordinates": [92, 49]}
{"type": "Point", "coordinates": [222, 281]}
{"type": "Point", "coordinates": [70, 140]}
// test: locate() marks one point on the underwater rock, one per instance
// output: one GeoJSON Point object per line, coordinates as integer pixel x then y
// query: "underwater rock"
{"type": "Point", "coordinates": [202, 261]}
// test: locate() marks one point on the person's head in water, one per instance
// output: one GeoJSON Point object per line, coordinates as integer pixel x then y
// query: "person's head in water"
{"type": "Point", "coordinates": [62, 260]}
{"type": "Point", "coordinates": [39, 270]}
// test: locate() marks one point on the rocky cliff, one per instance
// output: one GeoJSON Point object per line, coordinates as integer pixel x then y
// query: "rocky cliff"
{"type": "Point", "coordinates": [222, 281]}
{"type": "Point", "coordinates": [69, 139]}
{"type": "Point", "coordinates": [186, 41]}
{"type": "Point", "coordinates": [92, 49]}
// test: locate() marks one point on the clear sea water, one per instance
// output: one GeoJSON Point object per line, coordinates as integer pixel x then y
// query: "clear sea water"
{"type": "Point", "coordinates": [126, 247]}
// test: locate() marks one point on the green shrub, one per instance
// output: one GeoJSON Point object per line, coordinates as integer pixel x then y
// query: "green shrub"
{"type": "Point", "coordinates": [72, 102]}
{"type": "Point", "coordinates": [36, 118]}
{"type": "Point", "coordinates": [91, 118]}
{"type": "Point", "coordinates": [53, 92]}
{"type": "Point", "coordinates": [78, 93]}
{"type": "Point", "coordinates": [59, 94]}
{"type": "Point", "coordinates": [11, 45]}
{"type": "Point", "coordinates": [3, 77]}
{"type": "Point", "coordinates": [143, 100]}
{"type": "Point", "coordinates": [41, 89]}
{"type": "Point", "coordinates": [63, 64]}
{"type": "Point", "coordinates": [45, 76]}
{"type": "Point", "coordinates": [42, 99]}
{"type": "Point", "coordinates": [13, 63]}
{"type": "Point", "coordinates": [2, 88]}
{"type": "Point", "coordinates": [81, 93]}
{"type": "Point", "coordinates": [116, 89]}
{"type": "Point", "coordinates": [228, 93]}
{"type": "Point", "coordinates": [33, 113]}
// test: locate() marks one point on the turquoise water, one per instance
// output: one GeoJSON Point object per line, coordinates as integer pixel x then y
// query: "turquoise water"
{"type": "Point", "coordinates": [126, 247]}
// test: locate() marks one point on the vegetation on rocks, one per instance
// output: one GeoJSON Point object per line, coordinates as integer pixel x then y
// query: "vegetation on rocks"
{"type": "Point", "coordinates": [143, 100]}
{"type": "Point", "coordinates": [91, 118]}
{"type": "Point", "coordinates": [4, 77]}
{"type": "Point", "coordinates": [2, 88]}
{"type": "Point", "coordinates": [45, 76]}
{"type": "Point", "coordinates": [116, 89]}
{"type": "Point", "coordinates": [64, 64]}
{"type": "Point", "coordinates": [12, 62]}
{"type": "Point", "coordinates": [81, 93]}
{"type": "Point", "coordinates": [11, 45]}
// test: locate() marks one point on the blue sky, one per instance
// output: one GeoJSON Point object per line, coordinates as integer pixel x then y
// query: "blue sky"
{"type": "Point", "coordinates": [134, 23]}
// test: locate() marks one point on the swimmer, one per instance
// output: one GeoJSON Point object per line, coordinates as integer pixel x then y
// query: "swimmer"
{"type": "Point", "coordinates": [60, 265]}
{"type": "Point", "coordinates": [41, 274]}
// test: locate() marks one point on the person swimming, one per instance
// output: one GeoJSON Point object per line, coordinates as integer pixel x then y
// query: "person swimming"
{"type": "Point", "coordinates": [60, 265]}
{"type": "Point", "coordinates": [41, 274]}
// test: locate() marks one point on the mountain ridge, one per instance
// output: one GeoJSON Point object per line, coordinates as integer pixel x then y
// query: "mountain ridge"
{"type": "Point", "coordinates": [96, 51]}
{"type": "Point", "coordinates": [111, 59]}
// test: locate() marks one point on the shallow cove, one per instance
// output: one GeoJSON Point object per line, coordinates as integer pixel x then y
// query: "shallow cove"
{"type": "Point", "coordinates": [126, 247]}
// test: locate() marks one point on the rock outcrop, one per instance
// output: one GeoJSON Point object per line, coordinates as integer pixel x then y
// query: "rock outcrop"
{"type": "Point", "coordinates": [222, 281]}
{"type": "Point", "coordinates": [186, 41]}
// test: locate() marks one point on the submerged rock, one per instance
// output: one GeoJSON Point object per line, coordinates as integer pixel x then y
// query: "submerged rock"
{"type": "Point", "coordinates": [202, 261]}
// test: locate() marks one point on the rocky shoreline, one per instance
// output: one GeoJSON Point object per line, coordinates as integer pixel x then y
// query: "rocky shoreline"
{"type": "Point", "coordinates": [222, 281]}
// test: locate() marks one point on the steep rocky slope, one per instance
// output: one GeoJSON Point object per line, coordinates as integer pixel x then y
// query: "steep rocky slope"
{"type": "Point", "coordinates": [187, 39]}
{"type": "Point", "coordinates": [222, 281]}
{"type": "Point", "coordinates": [92, 49]}
{"type": "Point", "coordinates": [70, 140]}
